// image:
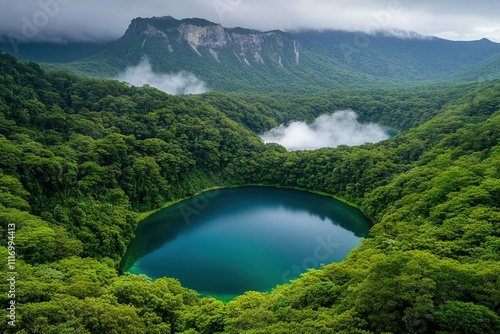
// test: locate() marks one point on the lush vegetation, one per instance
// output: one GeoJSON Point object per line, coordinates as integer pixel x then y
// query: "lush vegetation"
{"type": "Point", "coordinates": [412, 58]}
{"type": "Point", "coordinates": [80, 158]}
{"type": "Point", "coordinates": [399, 110]}
{"type": "Point", "coordinates": [236, 60]}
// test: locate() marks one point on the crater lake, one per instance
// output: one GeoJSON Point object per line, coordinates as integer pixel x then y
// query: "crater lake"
{"type": "Point", "coordinates": [225, 242]}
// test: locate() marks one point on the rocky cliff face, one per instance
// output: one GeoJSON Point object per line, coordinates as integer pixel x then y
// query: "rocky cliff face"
{"type": "Point", "coordinates": [207, 38]}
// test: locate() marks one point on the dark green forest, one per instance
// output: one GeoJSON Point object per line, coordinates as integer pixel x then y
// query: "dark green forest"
{"type": "Point", "coordinates": [81, 159]}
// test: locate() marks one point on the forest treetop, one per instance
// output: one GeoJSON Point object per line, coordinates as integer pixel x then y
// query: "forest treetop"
{"type": "Point", "coordinates": [80, 158]}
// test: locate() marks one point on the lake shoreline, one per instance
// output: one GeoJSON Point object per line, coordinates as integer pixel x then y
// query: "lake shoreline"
{"type": "Point", "coordinates": [252, 235]}
{"type": "Point", "coordinates": [143, 215]}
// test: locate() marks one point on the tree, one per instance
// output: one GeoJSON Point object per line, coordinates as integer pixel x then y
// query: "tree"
{"type": "Point", "coordinates": [458, 317]}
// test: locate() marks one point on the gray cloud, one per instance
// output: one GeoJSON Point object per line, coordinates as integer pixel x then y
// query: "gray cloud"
{"type": "Point", "coordinates": [174, 83]}
{"type": "Point", "coordinates": [339, 128]}
{"type": "Point", "coordinates": [62, 20]}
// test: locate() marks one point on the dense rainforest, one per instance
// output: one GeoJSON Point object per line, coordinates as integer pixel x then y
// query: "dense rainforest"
{"type": "Point", "coordinates": [80, 159]}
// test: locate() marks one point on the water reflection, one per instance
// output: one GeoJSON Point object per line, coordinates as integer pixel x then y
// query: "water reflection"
{"type": "Point", "coordinates": [249, 238]}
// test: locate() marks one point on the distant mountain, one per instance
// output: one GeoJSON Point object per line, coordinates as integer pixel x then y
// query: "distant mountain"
{"type": "Point", "coordinates": [486, 70]}
{"type": "Point", "coordinates": [51, 52]}
{"type": "Point", "coordinates": [227, 59]}
{"type": "Point", "coordinates": [238, 59]}
{"type": "Point", "coordinates": [406, 57]}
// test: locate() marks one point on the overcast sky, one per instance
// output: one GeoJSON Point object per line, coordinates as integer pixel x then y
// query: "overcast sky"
{"type": "Point", "coordinates": [63, 20]}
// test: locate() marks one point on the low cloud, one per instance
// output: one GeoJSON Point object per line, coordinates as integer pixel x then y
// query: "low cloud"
{"type": "Point", "coordinates": [172, 83]}
{"type": "Point", "coordinates": [332, 130]}
{"type": "Point", "coordinates": [90, 20]}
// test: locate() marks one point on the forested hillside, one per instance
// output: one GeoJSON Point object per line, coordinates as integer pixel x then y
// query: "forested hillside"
{"type": "Point", "coordinates": [247, 60]}
{"type": "Point", "coordinates": [81, 158]}
{"type": "Point", "coordinates": [50, 52]}
{"type": "Point", "coordinates": [409, 56]}
{"type": "Point", "coordinates": [391, 108]}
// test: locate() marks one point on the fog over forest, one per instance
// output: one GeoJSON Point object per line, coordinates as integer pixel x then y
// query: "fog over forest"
{"type": "Point", "coordinates": [171, 83]}
{"type": "Point", "coordinates": [330, 130]}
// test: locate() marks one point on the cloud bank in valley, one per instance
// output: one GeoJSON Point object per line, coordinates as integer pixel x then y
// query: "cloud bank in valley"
{"type": "Point", "coordinates": [172, 83]}
{"type": "Point", "coordinates": [331, 130]}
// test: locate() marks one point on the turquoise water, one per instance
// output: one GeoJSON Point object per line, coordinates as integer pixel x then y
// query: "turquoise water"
{"type": "Point", "coordinates": [226, 242]}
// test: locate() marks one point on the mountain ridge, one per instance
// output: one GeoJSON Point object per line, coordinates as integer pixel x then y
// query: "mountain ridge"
{"type": "Point", "coordinates": [199, 32]}
{"type": "Point", "coordinates": [240, 59]}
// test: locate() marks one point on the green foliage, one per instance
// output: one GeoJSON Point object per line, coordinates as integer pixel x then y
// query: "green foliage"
{"type": "Point", "coordinates": [243, 60]}
{"type": "Point", "coordinates": [89, 152]}
{"type": "Point", "coordinates": [459, 317]}
{"type": "Point", "coordinates": [80, 159]}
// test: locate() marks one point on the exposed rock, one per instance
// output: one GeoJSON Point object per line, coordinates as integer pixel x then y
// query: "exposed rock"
{"type": "Point", "coordinates": [207, 38]}
{"type": "Point", "coordinates": [152, 31]}
{"type": "Point", "coordinates": [258, 58]}
{"type": "Point", "coordinates": [297, 53]}
{"type": "Point", "coordinates": [214, 54]}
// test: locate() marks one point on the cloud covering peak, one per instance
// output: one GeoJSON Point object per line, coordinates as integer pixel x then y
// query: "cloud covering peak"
{"type": "Point", "coordinates": [331, 130]}
{"type": "Point", "coordinates": [173, 83]}
{"type": "Point", "coordinates": [93, 20]}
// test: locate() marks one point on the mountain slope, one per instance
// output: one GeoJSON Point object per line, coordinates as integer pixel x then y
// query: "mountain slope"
{"type": "Point", "coordinates": [227, 59]}
{"type": "Point", "coordinates": [486, 70]}
{"type": "Point", "coordinates": [237, 59]}
{"type": "Point", "coordinates": [407, 58]}
{"type": "Point", "coordinates": [51, 52]}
